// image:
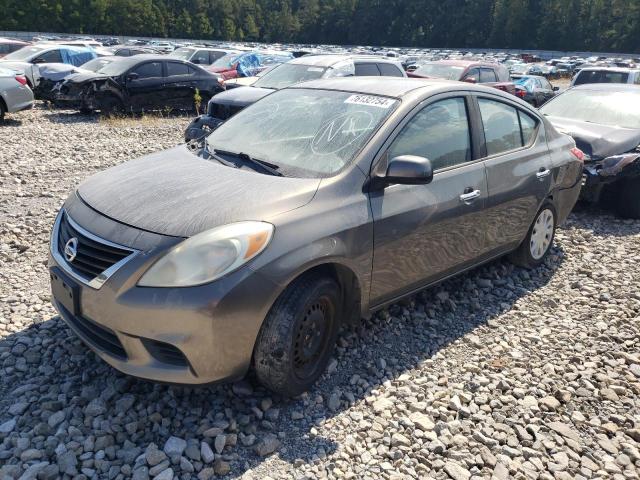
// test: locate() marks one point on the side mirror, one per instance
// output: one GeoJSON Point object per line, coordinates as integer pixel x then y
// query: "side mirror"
{"type": "Point", "coordinates": [470, 80]}
{"type": "Point", "coordinates": [132, 76]}
{"type": "Point", "coordinates": [405, 170]}
{"type": "Point", "coordinates": [556, 89]}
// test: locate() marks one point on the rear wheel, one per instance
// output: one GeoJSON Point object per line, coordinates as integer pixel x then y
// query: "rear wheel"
{"type": "Point", "coordinates": [626, 199]}
{"type": "Point", "coordinates": [537, 244]}
{"type": "Point", "coordinates": [298, 336]}
{"type": "Point", "coordinates": [3, 110]}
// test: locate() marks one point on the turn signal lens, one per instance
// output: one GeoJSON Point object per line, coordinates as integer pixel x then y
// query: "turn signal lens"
{"type": "Point", "coordinates": [579, 154]}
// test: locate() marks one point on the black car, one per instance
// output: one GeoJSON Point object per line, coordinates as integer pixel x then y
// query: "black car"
{"type": "Point", "coordinates": [142, 82]}
{"type": "Point", "coordinates": [604, 120]}
{"type": "Point", "coordinates": [131, 51]}
{"type": "Point", "coordinates": [534, 89]}
{"type": "Point", "coordinates": [309, 67]}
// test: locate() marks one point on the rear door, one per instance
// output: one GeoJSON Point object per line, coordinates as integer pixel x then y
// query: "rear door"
{"type": "Point", "coordinates": [518, 169]}
{"type": "Point", "coordinates": [180, 85]}
{"type": "Point", "coordinates": [425, 232]}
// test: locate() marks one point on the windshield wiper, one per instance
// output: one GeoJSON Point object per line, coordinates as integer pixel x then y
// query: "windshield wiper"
{"type": "Point", "coordinates": [270, 168]}
{"type": "Point", "coordinates": [213, 155]}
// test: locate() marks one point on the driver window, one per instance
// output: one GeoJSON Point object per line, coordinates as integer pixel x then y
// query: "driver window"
{"type": "Point", "coordinates": [439, 132]}
{"type": "Point", "coordinates": [52, 56]}
{"type": "Point", "coordinates": [148, 70]}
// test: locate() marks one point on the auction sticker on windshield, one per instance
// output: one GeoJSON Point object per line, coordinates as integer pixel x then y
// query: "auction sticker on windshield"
{"type": "Point", "coordinates": [370, 100]}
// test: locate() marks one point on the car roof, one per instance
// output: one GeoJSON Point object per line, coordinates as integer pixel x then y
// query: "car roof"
{"type": "Point", "coordinates": [396, 87]}
{"type": "Point", "coordinates": [608, 87]}
{"type": "Point", "coordinates": [464, 63]}
{"type": "Point", "coordinates": [330, 59]}
{"type": "Point", "coordinates": [135, 59]}
{"type": "Point", "coordinates": [609, 69]}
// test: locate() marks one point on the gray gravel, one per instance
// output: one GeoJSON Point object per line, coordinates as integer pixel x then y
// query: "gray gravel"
{"type": "Point", "coordinates": [501, 373]}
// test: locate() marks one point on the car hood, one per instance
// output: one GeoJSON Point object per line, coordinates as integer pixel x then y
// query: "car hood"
{"type": "Point", "coordinates": [598, 141]}
{"type": "Point", "coordinates": [177, 193]}
{"type": "Point", "coordinates": [85, 77]}
{"type": "Point", "coordinates": [241, 96]}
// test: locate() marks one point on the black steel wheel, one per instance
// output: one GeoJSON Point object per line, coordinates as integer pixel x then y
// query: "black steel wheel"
{"type": "Point", "coordinates": [297, 337]}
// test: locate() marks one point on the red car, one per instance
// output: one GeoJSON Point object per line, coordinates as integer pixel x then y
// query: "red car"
{"type": "Point", "coordinates": [8, 46]}
{"type": "Point", "coordinates": [491, 74]}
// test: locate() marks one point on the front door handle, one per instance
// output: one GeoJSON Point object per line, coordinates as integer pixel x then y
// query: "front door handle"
{"type": "Point", "coordinates": [543, 173]}
{"type": "Point", "coordinates": [470, 197]}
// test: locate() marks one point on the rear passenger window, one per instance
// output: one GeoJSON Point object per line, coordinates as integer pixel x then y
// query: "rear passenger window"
{"type": "Point", "coordinates": [502, 131]}
{"type": "Point", "coordinates": [367, 70]}
{"type": "Point", "coordinates": [389, 70]}
{"type": "Point", "coordinates": [175, 69]}
{"type": "Point", "coordinates": [487, 75]}
{"type": "Point", "coordinates": [439, 132]}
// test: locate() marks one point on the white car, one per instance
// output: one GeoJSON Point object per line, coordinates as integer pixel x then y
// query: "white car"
{"type": "Point", "coordinates": [606, 75]}
{"type": "Point", "coordinates": [15, 94]}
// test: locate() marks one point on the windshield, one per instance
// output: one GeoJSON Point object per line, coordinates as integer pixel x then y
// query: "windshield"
{"type": "Point", "coordinates": [308, 133]}
{"type": "Point", "coordinates": [116, 67]}
{"type": "Point", "coordinates": [97, 64]}
{"type": "Point", "coordinates": [288, 74]}
{"type": "Point", "coordinates": [24, 54]}
{"type": "Point", "coordinates": [525, 82]}
{"type": "Point", "coordinates": [226, 61]}
{"type": "Point", "coordinates": [182, 53]}
{"type": "Point", "coordinates": [619, 109]}
{"type": "Point", "coordinates": [440, 70]}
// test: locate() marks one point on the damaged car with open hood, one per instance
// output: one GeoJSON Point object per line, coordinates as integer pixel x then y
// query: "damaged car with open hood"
{"type": "Point", "coordinates": [604, 120]}
{"type": "Point", "coordinates": [139, 83]}
{"type": "Point", "coordinates": [308, 210]}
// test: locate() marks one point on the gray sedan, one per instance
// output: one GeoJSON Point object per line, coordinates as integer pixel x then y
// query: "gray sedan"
{"type": "Point", "coordinates": [313, 207]}
{"type": "Point", "coordinates": [15, 94]}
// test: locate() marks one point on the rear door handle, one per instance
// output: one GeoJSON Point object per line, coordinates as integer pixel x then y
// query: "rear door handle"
{"type": "Point", "coordinates": [543, 173]}
{"type": "Point", "coordinates": [470, 197]}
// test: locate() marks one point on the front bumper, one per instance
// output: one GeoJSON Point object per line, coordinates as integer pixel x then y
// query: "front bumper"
{"type": "Point", "coordinates": [192, 335]}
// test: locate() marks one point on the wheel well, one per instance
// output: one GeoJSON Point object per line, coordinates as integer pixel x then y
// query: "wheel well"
{"type": "Point", "coordinates": [349, 285]}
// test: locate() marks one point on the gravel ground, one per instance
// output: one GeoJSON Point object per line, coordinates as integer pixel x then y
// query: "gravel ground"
{"type": "Point", "coordinates": [500, 373]}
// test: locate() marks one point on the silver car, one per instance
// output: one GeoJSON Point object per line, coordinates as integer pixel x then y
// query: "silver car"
{"type": "Point", "coordinates": [15, 94]}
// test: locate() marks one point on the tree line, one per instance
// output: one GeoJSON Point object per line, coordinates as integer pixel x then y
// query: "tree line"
{"type": "Point", "coordinates": [592, 25]}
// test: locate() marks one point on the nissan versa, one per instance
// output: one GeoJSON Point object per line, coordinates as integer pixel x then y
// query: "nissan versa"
{"type": "Point", "coordinates": [315, 206]}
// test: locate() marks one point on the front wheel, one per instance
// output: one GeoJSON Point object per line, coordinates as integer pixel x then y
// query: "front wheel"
{"type": "Point", "coordinates": [298, 336]}
{"type": "Point", "coordinates": [626, 199]}
{"type": "Point", "coordinates": [537, 244]}
{"type": "Point", "coordinates": [2, 111]}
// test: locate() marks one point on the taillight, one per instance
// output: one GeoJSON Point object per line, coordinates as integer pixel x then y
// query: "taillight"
{"type": "Point", "coordinates": [579, 154]}
{"type": "Point", "coordinates": [21, 79]}
{"type": "Point", "coordinates": [520, 93]}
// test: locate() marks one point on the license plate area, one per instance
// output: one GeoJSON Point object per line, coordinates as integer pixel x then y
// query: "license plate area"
{"type": "Point", "coordinates": [65, 291]}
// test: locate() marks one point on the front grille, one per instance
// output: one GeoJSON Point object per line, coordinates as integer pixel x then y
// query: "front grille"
{"type": "Point", "coordinates": [165, 353]}
{"type": "Point", "coordinates": [93, 257]}
{"type": "Point", "coordinates": [97, 335]}
{"type": "Point", "coordinates": [222, 112]}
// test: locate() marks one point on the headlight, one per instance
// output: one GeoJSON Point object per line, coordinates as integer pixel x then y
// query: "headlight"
{"type": "Point", "coordinates": [209, 255]}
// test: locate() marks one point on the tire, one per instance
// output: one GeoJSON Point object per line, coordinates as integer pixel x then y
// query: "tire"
{"type": "Point", "coordinates": [2, 111]}
{"type": "Point", "coordinates": [111, 105]}
{"type": "Point", "coordinates": [290, 354]}
{"type": "Point", "coordinates": [86, 111]}
{"type": "Point", "coordinates": [536, 245]}
{"type": "Point", "coordinates": [626, 198]}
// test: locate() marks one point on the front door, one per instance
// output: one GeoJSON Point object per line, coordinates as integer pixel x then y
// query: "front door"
{"type": "Point", "coordinates": [145, 90]}
{"type": "Point", "coordinates": [425, 232]}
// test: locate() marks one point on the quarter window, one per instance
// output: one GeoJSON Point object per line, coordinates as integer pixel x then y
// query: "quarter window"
{"type": "Point", "coordinates": [439, 132]}
{"type": "Point", "coordinates": [502, 126]}
{"type": "Point", "coordinates": [149, 70]}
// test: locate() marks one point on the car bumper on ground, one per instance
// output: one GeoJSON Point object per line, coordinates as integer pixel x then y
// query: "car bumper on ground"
{"type": "Point", "coordinates": [191, 335]}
